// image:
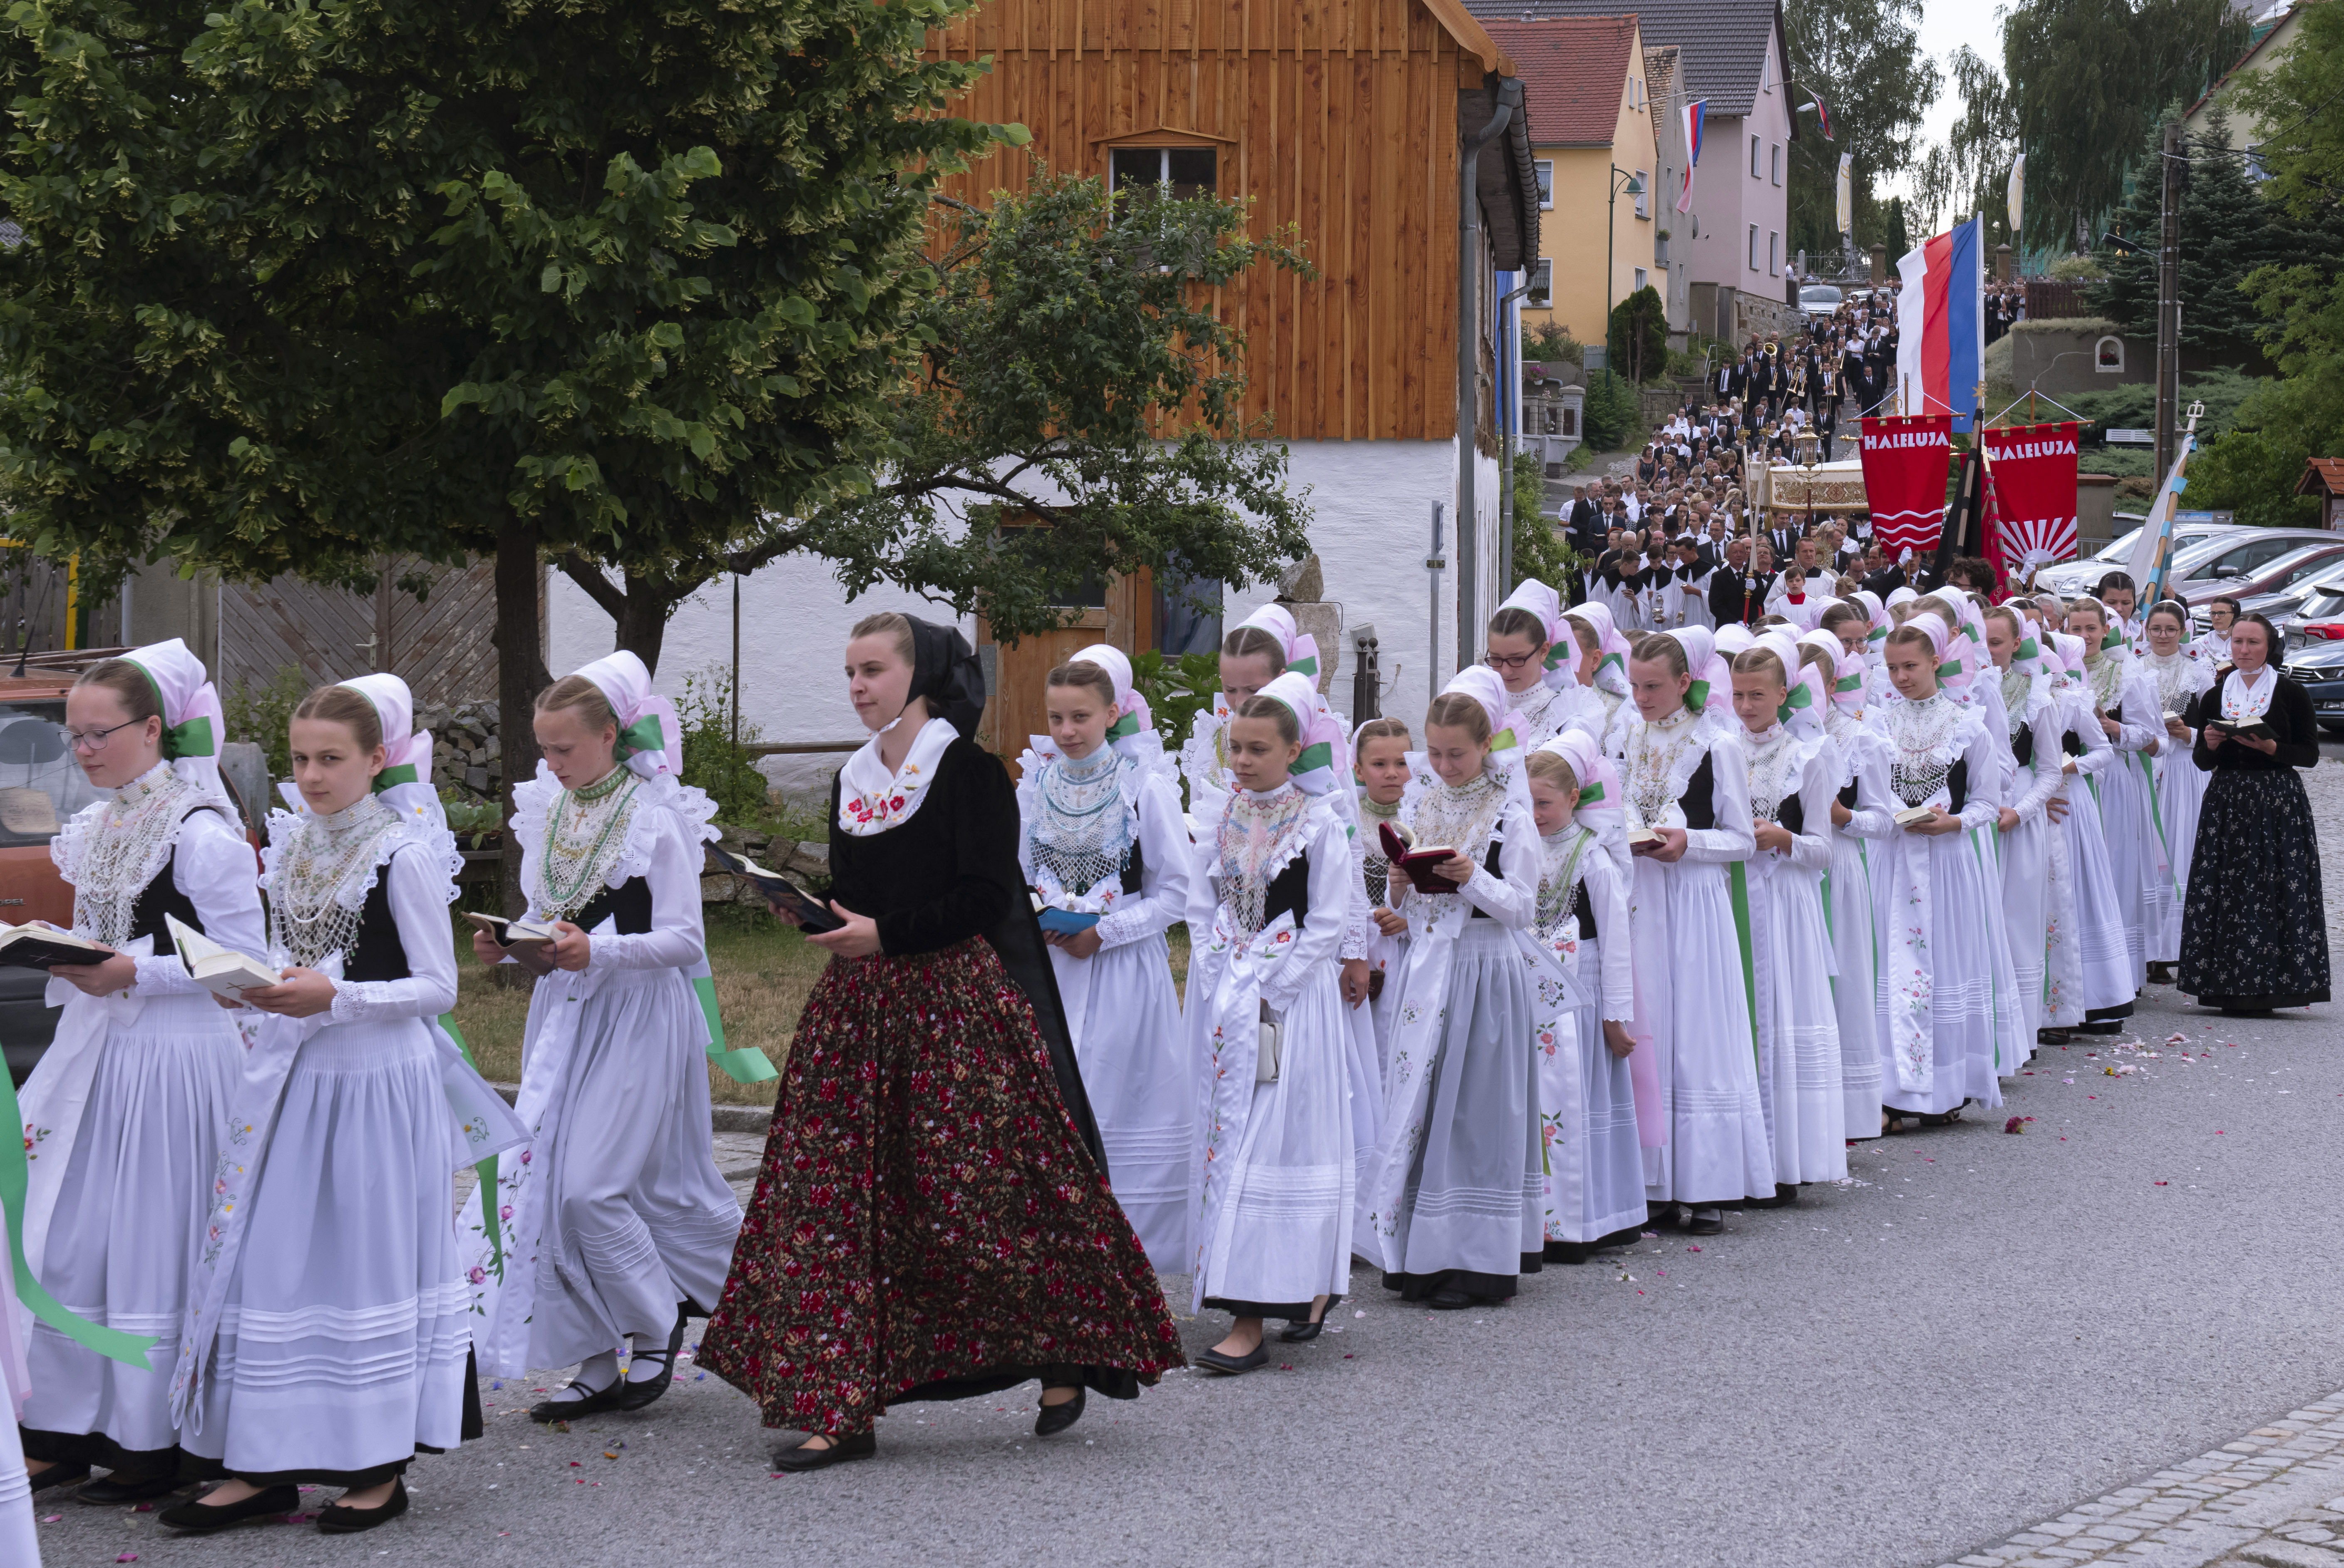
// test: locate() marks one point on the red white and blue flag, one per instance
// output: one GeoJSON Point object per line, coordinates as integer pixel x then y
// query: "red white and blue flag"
{"type": "Point", "coordinates": [1822, 115]}
{"type": "Point", "coordinates": [1694, 113]}
{"type": "Point", "coordinates": [1940, 325]}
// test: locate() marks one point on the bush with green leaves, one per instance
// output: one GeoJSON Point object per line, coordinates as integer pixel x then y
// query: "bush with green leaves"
{"type": "Point", "coordinates": [1637, 342]}
{"type": "Point", "coordinates": [1549, 343]}
{"type": "Point", "coordinates": [1614, 416]}
{"type": "Point", "coordinates": [1538, 551]}
{"type": "Point", "coordinates": [712, 760]}
{"type": "Point", "coordinates": [260, 714]}
{"type": "Point", "coordinates": [1178, 686]}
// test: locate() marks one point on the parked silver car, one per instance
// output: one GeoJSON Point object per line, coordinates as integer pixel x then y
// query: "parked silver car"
{"type": "Point", "coordinates": [2072, 577]}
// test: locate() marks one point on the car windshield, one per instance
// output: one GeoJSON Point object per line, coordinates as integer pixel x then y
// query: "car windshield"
{"type": "Point", "coordinates": [1819, 293]}
{"type": "Point", "coordinates": [40, 785]}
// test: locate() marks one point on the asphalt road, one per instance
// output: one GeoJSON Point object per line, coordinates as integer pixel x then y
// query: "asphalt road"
{"type": "Point", "coordinates": [1977, 1331]}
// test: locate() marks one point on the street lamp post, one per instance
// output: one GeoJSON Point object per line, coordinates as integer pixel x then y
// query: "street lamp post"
{"type": "Point", "coordinates": [1611, 224]}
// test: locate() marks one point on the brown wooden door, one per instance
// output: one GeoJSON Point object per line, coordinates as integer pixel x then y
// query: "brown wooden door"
{"type": "Point", "coordinates": [1018, 705]}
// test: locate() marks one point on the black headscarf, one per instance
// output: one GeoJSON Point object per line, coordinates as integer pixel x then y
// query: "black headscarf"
{"type": "Point", "coordinates": [945, 671]}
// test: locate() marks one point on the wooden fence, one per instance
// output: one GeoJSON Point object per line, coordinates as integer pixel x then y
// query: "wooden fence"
{"type": "Point", "coordinates": [440, 644]}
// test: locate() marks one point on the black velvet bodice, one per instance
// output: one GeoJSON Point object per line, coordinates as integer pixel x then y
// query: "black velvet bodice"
{"type": "Point", "coordinates": [2022, 748]}
{"type": "Point", "coordinates": [1700, 801]}
{"type": "Point", "coordinates": [163, 896]}
{"type": "Point", "coordinates": [2290, 717]}
{"type": "Point", "coordinates": [1490, 864]}
{"type": "Point", "coordinates": [377, 953]}
{"type": "Point", "coordinates": [1289, 890]}
{"type": "Point", "coordinates": [627, 906]}
{"type": "Point", "coordinates": [1792, 812]}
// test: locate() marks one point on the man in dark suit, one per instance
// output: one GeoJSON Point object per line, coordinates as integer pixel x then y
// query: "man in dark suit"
{"type": "Point", "coordinates": [1736, 596]}
{"type": "Point", "coordinates": [1783, 536]}
{"type": "Point", "coordinates": [1586, 524]}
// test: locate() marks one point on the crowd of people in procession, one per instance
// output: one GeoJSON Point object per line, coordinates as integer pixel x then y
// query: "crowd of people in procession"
{"type": "Point", "coordinates": [1648, 917]}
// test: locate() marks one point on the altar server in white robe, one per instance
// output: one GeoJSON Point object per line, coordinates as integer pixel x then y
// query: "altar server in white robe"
{"type": "Point", "coordinates": [1860, 814]}
{"type": "Point", "coordinates": [1793, 779]}
{"type": "Point", "coordinates": [1456, 1171]}
{"type": "Point", "coordinates": [1591, 1157]}
{"type": "Point", "coordinates": [1273, 1176]}
{"type": "Point", "coordinates": [620, 1224]}
{"type": "Point", "coordinates": [1103, 838]}
{"type": "Point", "coordinates": [1687, 782]}
{"type": "Point", "coordinates": [2178, 671]}
{"type": "Point", "coordinates": [328, 1332]}
{"type": "Point", "coordinates": [124, 1114]}
{"type": "Point", "coordinates": [1942, 928]}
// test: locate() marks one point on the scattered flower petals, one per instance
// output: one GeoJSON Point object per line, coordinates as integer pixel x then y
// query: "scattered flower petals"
{"type": "Point", "coordinates": [1693, 1248]}
{"type": "Point", "coordinates": [2164, 1184]}
{"type": "Point", "coordinates": [2016, 1124]}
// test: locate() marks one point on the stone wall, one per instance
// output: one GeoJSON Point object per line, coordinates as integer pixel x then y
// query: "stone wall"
{"type": "Point", "coordinates": [465, 751]}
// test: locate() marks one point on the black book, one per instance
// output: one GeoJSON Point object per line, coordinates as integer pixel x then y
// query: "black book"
{"type": "Point", "coordinates": [37, 947]}
{"type": "Point", "coordinates": [782, 892]}
{"type": "Point", "coordinates": [2241, 729]}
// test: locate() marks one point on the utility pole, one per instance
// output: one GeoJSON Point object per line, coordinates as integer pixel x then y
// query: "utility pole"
{"type": "Point", "coordinates": [2168, 301]}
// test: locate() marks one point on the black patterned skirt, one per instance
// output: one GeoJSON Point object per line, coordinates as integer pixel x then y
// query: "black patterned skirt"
{"type": "Point", "coordinates": [928, 1224]}
{"type": "Point", "coordinates": [2254, 930]}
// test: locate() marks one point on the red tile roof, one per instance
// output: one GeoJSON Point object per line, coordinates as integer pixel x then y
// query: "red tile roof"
{"type": "Point", "coordinates": [2329, 472]}
{"type": "Point", "coordinates": [1574, 72]}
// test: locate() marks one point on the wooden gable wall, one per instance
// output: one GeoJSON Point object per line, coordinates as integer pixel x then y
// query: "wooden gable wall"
{"type": "Point", "coordinates": [1337, 116]}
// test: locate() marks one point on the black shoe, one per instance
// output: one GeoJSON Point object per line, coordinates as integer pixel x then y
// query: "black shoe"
{"type": "Point", "coordinates": [1705, 1221]}
{"type": "Point", "coordinates": [1663, 1216]}
{"type": "Point", "coordinates": [194, 1519]}
{"type": "Point", "coordinates": [1569, 1252]}
{"type": "Point", "coordinates": [1448, 1301]}
{"type": "Point", "coordinates": [840, 1451]}
{"type": "Point", "coordinates": [1258, 1356]}
{"type": "Point", "coordinates": [1298, 1333]}
{"type": "Point", "coordinates": [635, 1392]}
{"type": "Point", "coordinates": [123, 1486]}
{"type": "Point", "coordinates": [547, 1411]}
{"type": "Point", "coordinates": [336, 1520]}
{"type": "Point", "coordinates": [62, 1473]}
{"type": "Point", "coordinates": [1055, 1418]}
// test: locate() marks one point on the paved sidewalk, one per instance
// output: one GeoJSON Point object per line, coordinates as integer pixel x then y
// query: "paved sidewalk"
{"type": "Point", "coordinates": [2274, 1498]}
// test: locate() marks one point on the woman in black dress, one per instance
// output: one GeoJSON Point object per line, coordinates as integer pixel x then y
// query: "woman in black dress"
{"type": "Point", "coordinates": [2254, 931]}
{"type": "Point", "coordinates": [932, 1219]}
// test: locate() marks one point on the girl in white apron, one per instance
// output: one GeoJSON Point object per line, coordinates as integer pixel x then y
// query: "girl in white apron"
{"type": "Point", "coordinates": [1103, 838]}
{"type": "Point", "coordinates": [1537, 659]}
{"type": "Point", "coordinates": [124, 1114]}
{"type": "Point", "coordinates": [2178, 674]}
{"type": "Point", "coordinates": [328, 1331]}
{"type": "Point", "coordinates": [1859, 814]}
{"type": "Point", "coordinates": [1259, 649]}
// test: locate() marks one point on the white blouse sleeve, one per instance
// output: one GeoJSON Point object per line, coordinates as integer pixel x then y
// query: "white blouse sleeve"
{"type": "Point", "coordinates": [1168, 862]}
{"type": "Point", "coordinates": [1510, 898]}
{"type": "Point", "coordinates": [676, 938]}
{"type": "Point", "coordinates": [1874, 814]}
{"type": "Point", "coordinates": [1360, 930]}
{"type": "Point", "coordinates": [1810, 848]}
{"type": "Point", "coordinates": [2044, 727]}
{"type": "Point", "coordinates": [1607, 896]}
{"type": "Point", "coordinates": [2144, 718]}
{"type": "Point", "coordinates": [213, 865]}
{"type": "Point", "coordinates": [2098, 753]}
{"type": "Point", "coordinates": [1981, 798]}
{"type": "Point", "coordinates": [1733, 838]}
{"type": "Point", "coordinates": [1322, 937]}
{"type": "Point", "coordinates": [416, 883]}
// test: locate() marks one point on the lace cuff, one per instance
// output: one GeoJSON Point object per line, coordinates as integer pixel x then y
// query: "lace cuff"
{"type": "Point", "coordinates": [1128, 923]}
{"type": "Point", "coordinates": [372, 1001]}
{"type": "Point", "coordinates": [162, 976]}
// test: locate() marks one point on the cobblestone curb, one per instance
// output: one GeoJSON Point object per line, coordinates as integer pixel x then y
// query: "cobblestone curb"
{"type": "Point", "coordinates": [2274, 1498]}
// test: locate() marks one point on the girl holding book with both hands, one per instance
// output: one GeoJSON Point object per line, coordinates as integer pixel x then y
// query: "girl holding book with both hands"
{"type": "Point", "coordinates": [328, 1339]}
{"type": "Point", "coordinates": [124, 1114]}
{"type": "Point", "coordinates": [619, 1224]}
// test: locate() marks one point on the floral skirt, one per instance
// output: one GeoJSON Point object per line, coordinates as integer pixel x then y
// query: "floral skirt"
{"type": "Point", "coordinates": [928, 1224]}
{"type": "Point", "coordinates": [2254, 932]}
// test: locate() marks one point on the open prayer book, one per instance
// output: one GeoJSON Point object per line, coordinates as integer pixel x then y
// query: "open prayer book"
{"type": "Point", "coordinates": [1913, 814]}
{"type": "Point", "coordinates": [37, 947]}
{"type": "Point", "coordinates": [514, 933]}
{"type": "Point", "coordinates": [1637, 835]}
{"type": "Point", "coordinates": [223, 971]}
{"type": "Point", "coordinates": [782, 892]}
{"type": "Point", "coordinates": [1415, 861]}
{"type": "Point", "coordinates": [2243, 729]}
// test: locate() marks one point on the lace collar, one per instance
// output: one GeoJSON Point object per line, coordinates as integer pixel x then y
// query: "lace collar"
{"type": "Point", "coordinates": [1775, 755]}
{"type": "Point", "coordinates": [1661, 757]}
{"type": "Point", "coordinates": [1260, 835]}
{"type": "Point", "coordinates": [1560, 855]}
{"type": "Point", "coordinates": [871, 800]}
{"type": "Point", "coordinates": [2106, 676]}
{"type": "Point", "coordinates": [1080, 826]}
{"type": "Point", "coordinates": [113, 847]}
{"type": "Point", "coordinates": [320, 871]}
{"type": "Point", "coordinates": [586, 832]}
{"type": "Point", "coordinates": [1462, 816]}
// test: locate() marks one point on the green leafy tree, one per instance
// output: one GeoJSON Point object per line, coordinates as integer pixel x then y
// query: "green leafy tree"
{"type": "Point", "coordinates": [1637, 345]}
{"type": "Point", "coordinates": [1866, 58]}
{"type": "Point", "coordinates": [1612, 416]}
{"type": "Point", "coordinates": [2253, 474]}
{"type": "Point", "coordinates": [1894, 235]}
{"type": "Point", "coordinates": [1965, 174]}
{"type": "Point", "coordinates": [1539, 549]}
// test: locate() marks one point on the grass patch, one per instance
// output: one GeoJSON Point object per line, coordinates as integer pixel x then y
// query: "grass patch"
{"type": "Point", "coordinates": [764, 972]}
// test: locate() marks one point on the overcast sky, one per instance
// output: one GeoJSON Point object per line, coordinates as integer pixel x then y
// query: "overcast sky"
{"type": "Point", "coordinates": [1945, 26]}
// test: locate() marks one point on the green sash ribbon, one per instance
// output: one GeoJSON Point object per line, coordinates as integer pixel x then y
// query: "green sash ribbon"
{"type": "Point", "coordinates": [1737, 883]}
{"type": "Point", "coordinates": [1556, 655]}
{"type": "Point", "coordinates": [390, 778]}
{"type": "Point", "coordinates": [745, 1065]}
{"type": "Point", "coordinates": [15, 1176]}
{"type": "Point", "coordinates": [487, 1170]}
{"type": "Point", "coordinates": [2030, 648]}
{"type": "Point", "coordinates": [1589, 793]}
{"type": "Point", "coordinates": [1949, 669]}
{"type": "Point", "coordinates": [1305, 665]}
{"type": "Point", "coordinates": [2156, 814]}
{"type": "Point", "coordinates": [1696, 696]}
{"type": "Point", "coordinates": [1610, 659]}
{"type": "Point", "coordinates": [191, 739]}
{"type": "Point", "coordinates": [1504, 741]}
{"type": "Point", "coordinates": [1320, 755]}
{"type": "Point", "coordinates": [1127, 725]}
{"type": "Point", "coordinates": [1800, 698]}
{"type": "Point", "coordinates": [2114, 638]}
{"type": "Point", "coordinates": [1847, 684]}
{"type": "Point", "coordinates": [642, 735]}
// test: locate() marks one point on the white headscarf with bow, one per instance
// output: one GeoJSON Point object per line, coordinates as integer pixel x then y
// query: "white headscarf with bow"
{"type": "Point", "coordinates": [404, 783]}
{"type": "Point", "coordinates": [193, 724]}
{"type": "Point", "coordinates": [651, 736]}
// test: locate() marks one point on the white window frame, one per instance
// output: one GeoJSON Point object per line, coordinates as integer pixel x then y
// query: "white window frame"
{"type": "Point", "coordinates": [1545, 167]}
{"type": "Point", "coordinates": [1774, 252]}
{"type": "Point", "coordinates": [1542, 294]}
{"type": "Point", "coordinates": [1643, 278]}
{"type": "Point", "coordinates": [1777, 161]}
{"type": "Point", "coordinates": [1753, 247]}
{"type": "Point", "coordinates": [1644, 195]}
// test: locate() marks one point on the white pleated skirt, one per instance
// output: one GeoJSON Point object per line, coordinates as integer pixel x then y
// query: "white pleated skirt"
{"type": "Point", "coordinates": [1125, 1017]}
{"type": "Point", "coordinates": [1855, 988]}
{"type": "Point", "coordinates": [346, 1324]}
{"type": "Point", "coordinates": [2102, 953]}
{"type": "Point", "coordinates": [1966, 954]}
{"type": "Point", "coordinates": [645, 1221]}
{"type": "Point", "coordinates": [2026, 898]}
{"type": "Point", "coordinates": [1717, 1151]}
{"type": "Point", "coordinates": [1467, 1205]}
{"type": "Point", "coordinates": [1282, 1234]}
{"type": "Point", "coordinates": [1591, 1169]}
{"type": "Point", "coordinates": [2125, 812]}
{"type": "Point", "coordinates": [1799, 1080]}
{"type": "Point", "coordinates": [130, 1209]}
{"type": "Point", "coordinates": [2180, 796]}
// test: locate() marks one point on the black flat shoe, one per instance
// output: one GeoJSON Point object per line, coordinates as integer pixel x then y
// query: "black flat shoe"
{"type": "Point", "coordinates": [1447, 1301]}
{"type": "Point", "coordinates": [1232, 1365]}
{"type": "Point", "coordinates": [545, 1412]}
{"type": "Point", "coordinates": [118, 1488]}
{"type": "Point", "coordinates": [1569, 1252]}
{"type": "Point", "coordinates": [1055, 1418]}
{"type": "Point", "coordinates": [635, 1392]}
{"type": "Point", "coordinates": [1663, 1216]}
{"type": "Point", "coordinates": [336, 1520]}
{"type": "Point", "coordinates": [194, 1519]}
{"type": "Point", "coordinates": [60, 1474]}
{"type": "Point", "coordinates": [841, 1450]}
{"type": "Point", "coordinates": [1307, 1330]}
{"type": "Point", "coordinates": [1706, 1221]}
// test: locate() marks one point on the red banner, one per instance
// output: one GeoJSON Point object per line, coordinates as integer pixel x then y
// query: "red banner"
{"type": "Point", "coordinates": [1905, 464]}
{"type": "Point", "coordinates": [2031, 510]}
